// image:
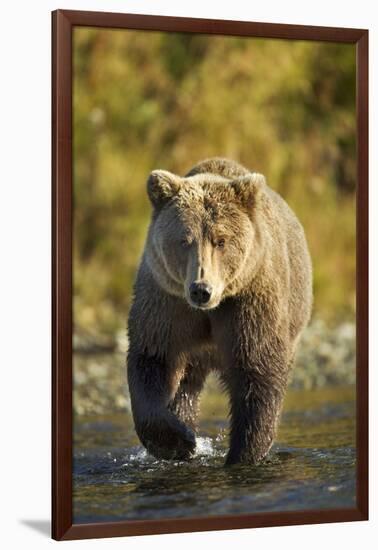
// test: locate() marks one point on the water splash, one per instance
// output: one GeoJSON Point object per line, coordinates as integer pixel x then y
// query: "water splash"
{"type": "Point", "coordinates": [206, 447]}
{"type": "Point", "coordinates": [137, 455]}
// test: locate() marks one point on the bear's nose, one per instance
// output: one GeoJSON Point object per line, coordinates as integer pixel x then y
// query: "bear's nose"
{"type": "Point", "coordinates": [200, 293]}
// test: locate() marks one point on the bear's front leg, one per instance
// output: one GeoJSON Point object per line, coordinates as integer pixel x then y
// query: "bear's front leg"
{"type": "Point", "coordinates": [256, 397]}
{"type": "Point", "coordinates": [252, 342]}
{"type": "Point", "coordinates": [151, 384]}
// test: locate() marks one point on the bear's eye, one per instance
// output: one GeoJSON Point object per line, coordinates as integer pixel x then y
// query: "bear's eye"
{"type": "Point", "coordinates": [220, 243]}
{"type": "Point", "coordinates": [185, 242]}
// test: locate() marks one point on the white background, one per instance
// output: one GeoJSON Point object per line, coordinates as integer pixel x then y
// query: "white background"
{"type": "Point", "coordinates": [25, 269]}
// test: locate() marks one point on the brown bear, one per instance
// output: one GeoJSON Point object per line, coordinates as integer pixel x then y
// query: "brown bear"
{"type": "Point", "coordinates": [225, 284]}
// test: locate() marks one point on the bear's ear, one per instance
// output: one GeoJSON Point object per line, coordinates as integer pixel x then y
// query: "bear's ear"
{"type": "Point", "coordinates": [247, 189]}
{"type": "Point", "coordinates": [162, 186]}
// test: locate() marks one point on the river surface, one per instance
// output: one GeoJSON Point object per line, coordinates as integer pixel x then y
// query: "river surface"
{"type": "Point", "coordinates": [311, 466]}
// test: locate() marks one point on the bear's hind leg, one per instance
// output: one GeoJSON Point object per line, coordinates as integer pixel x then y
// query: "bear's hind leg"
{"type": "Point", "coordinates": [185, 404]}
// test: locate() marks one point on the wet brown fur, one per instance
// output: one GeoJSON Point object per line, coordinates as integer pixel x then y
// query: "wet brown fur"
{"type": "Point", "coordinates": [262, 296]}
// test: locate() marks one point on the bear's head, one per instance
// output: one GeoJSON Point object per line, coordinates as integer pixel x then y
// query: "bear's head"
{"type": "Point", "coordinates": [204, 239]}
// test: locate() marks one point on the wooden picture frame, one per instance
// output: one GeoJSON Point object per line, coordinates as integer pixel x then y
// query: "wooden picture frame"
{"type": "Point", "coordinates": [63, 24]}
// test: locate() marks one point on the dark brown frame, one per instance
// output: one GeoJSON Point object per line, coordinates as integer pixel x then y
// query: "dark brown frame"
{"type": "Point", "coordinates": [63, 23]}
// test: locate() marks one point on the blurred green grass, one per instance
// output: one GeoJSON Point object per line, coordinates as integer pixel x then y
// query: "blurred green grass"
{"type": "Point", "coordinates": [146, 100]}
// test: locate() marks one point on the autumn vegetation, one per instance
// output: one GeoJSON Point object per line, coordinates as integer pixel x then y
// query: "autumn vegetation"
{"type": "Point", "coordinates": [146, 100]}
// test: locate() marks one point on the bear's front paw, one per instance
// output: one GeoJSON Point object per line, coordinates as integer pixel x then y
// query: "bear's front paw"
{"type": "Point", "coordinates": [167, 438]}
{"type": "Point", "coordinates": [236, 456]}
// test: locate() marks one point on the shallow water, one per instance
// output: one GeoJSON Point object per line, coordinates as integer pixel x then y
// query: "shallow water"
{"type": "Point", "coordinates": [311, 466]}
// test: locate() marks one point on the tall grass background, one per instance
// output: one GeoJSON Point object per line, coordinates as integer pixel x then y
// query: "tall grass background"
{"type": "Point", "coordinates": [145, 100]}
